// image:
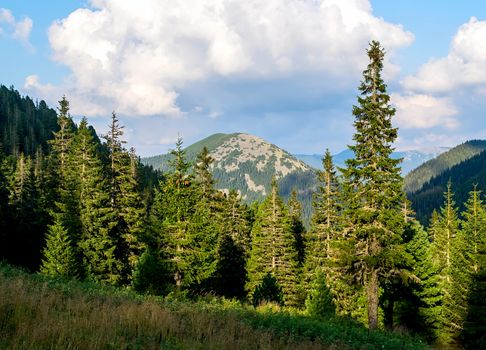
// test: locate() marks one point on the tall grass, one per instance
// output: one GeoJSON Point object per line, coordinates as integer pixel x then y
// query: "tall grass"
{"type": "Point", "coordinates": [41, 313]}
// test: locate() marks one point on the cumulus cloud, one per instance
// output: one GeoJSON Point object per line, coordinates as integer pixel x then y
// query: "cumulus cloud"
{"type": "Point", "coordinates": [423, 111]}
{"type": "Point", "coordinates": [138, 57]}
{"type": "Point", "coordinates": [462, 67]}
{"type": "Point", "coordinates": [16, 29]}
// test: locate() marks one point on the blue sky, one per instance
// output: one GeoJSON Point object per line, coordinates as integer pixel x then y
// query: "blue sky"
{"type": "Point", "coordinates": [285, 70]}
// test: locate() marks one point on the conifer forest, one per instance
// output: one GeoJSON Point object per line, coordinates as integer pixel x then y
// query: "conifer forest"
{"type": "Point", "coordinates": [79, 206]}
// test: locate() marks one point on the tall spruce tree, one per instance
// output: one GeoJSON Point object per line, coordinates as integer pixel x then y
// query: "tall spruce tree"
{"type": "Point", "coordinates": [322, 239]}
{"type": "Point", "coordinates": [98, 219]}
{"type": "Point", "coordinates": [67, 202]}
{"type": "Point", "coordinates": [474, 229]}
{"type": "Point", "coordinates": [233, 248]}
{"type": "Point", "coordinates": [373, 188]}
{"type": "Point", "coordinates": [325, 228]}
{"type": "Point", "coordinates": [204, 227]}
{"type": "Point", "coordinates": [448, 255]}
{"type": "Point", "coordinates": [421, 309]}
{"type": "Point", "coordinates": [474, 326]}
{"type": "Point", "coordinates": [273, 248]}
{"type": "Point", "coordinates": [125, 200]}
{"type": "Point", "coordinates": [171, 213]}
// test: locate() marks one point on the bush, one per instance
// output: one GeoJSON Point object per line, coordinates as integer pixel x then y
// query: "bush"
{"type": "Point", "coordinates": [268, 291]}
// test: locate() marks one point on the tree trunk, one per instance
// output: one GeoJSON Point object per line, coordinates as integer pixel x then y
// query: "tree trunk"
{"type": "Point", "coordinates": [372, 291]}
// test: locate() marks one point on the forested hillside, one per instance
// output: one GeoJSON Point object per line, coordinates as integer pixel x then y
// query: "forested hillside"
{"type": "Point", "coordinates": [434, 167]}
{"type": "Point", "coordinates": [77, 207]}
{"type": "Point", "coordinates": [25, 126]}
{"type": "Point", "coordinates": [463, 177]}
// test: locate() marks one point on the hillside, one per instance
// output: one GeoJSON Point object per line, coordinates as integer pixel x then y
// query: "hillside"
{"type": "Point", "coordinates": [248, 163]}
{"type": "Point", "coordinates": [434, 167]}
{"type": "Point", "coordinates": [25, 126]}
{"type": "Point", "coordinates": [463, 177]}
{"type": "Point", "coordinates": [44, 313]}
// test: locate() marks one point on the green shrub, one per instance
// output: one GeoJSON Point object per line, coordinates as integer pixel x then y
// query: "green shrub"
{"type": "Point", "coordinates": [268, 291]}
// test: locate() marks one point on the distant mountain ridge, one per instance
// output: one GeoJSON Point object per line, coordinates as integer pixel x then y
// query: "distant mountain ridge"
{"type": "Point", "coordinates": [411, 159]}
{"type": "Point", "coordinates": [247, 163]}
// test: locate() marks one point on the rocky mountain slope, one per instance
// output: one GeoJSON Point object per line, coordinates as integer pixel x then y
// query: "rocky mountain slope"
{"type": "Point", "coordinates": [248, 163]}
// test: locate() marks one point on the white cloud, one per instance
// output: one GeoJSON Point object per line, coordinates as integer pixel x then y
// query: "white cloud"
{"type": "Point", "coordinates": [423, 111]}
{"type": "Point", "coordinates": [462, 67]}
{"type": "Point", "coordinates": [138, 57]}
{"type": "Point", "coordinates": [17, 29]}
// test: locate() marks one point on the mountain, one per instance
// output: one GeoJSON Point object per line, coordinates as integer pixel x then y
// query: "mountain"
{"type": "Point", "coordinates": [247, 163]}
{"type": "Point", "coordinates": [411, 159]}
{"type": "Point", "coordinates": [418, 177]}
{"type": "Point", "coordinates": [463, 177]}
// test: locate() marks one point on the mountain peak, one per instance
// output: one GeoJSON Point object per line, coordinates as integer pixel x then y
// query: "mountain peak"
{"type": "Point", "coordinates": [242, 148]}
{"type": "Point", "coordinates": [246, 162]}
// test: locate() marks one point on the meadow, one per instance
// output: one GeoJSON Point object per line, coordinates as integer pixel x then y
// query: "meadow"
{"type": "Point", "coordinates": [37, 312]}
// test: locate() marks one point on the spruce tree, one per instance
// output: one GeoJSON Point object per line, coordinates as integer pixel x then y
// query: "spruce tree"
{"type": "Point", "coordinates": [273, 248]}
{"type": "Point", "coordinates": [59, 258]}
{"type": "Point", "coordinates": [297, 226]}
{"type": "Point", "coordinates": [233, 248]}
{"type": "Point", "coordinates": [474, 229]}
{"type": "Point", "coordinates": [150, 273]}
{"type": "Point", "coordinates": [448, 255]}
{"type": "Point", "coordinates": [62, 159]}
{"type": "Point", "coordinates": [325, 231]}
{"type": "Point", "coordinates": [372, 188]}
{"type": "Point", "coordinates": [320, 303]}
{"type": "Point", "coordinates": [204, 227]}
{"type": "Point", "coordinates": [98, 241]}
{"type": "Point", "coordinates": [423, 306]}
{"type": "Point", "coordinates": [171, 213]}
{"type": "Point", "coordinates": [125, 200]}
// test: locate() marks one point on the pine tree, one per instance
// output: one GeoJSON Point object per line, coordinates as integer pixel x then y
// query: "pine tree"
{"type": "Point", "coordinates": [423, 306]}
{"type": "Point", "coordinates": [373, 188]}
{"type": "Point", "coordinates": [233, 248]}
{"type": "Point", "coordinates": [150, 274]}
{"type": "Point", "coordinates": [325, 231]}
{"type": "Point", "coordinates": [273, 248]}
{"type": "Point", "coordinates": [320, 303]}
{"type": "Point", "coordinates": [204, 227]}
{"type": "Point", "coordinates": [297, 226]}
{"type": "Point", "coordinates": [202, 173]}
{"type": "Point", "coordinates": [59, 259]}
{"type": "Point", "coordinates": [171, 213]}
{"type": "Point", "coordinates": [448, 255]}
{"type": "Point", "coordinates": [125, 200]}
{"type": "Point", "coordinates": [474, 229]}
{"type": "Point", "coordinates": [66, 202]}
{"type": "Point", "coordinates": [98, 241]}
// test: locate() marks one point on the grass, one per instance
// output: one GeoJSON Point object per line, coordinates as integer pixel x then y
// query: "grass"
{"type": "Point", "coordinates": [41, 313]}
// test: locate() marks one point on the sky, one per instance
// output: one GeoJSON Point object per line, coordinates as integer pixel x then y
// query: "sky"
{"type": "Point", "coordinates": [284, 70]}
